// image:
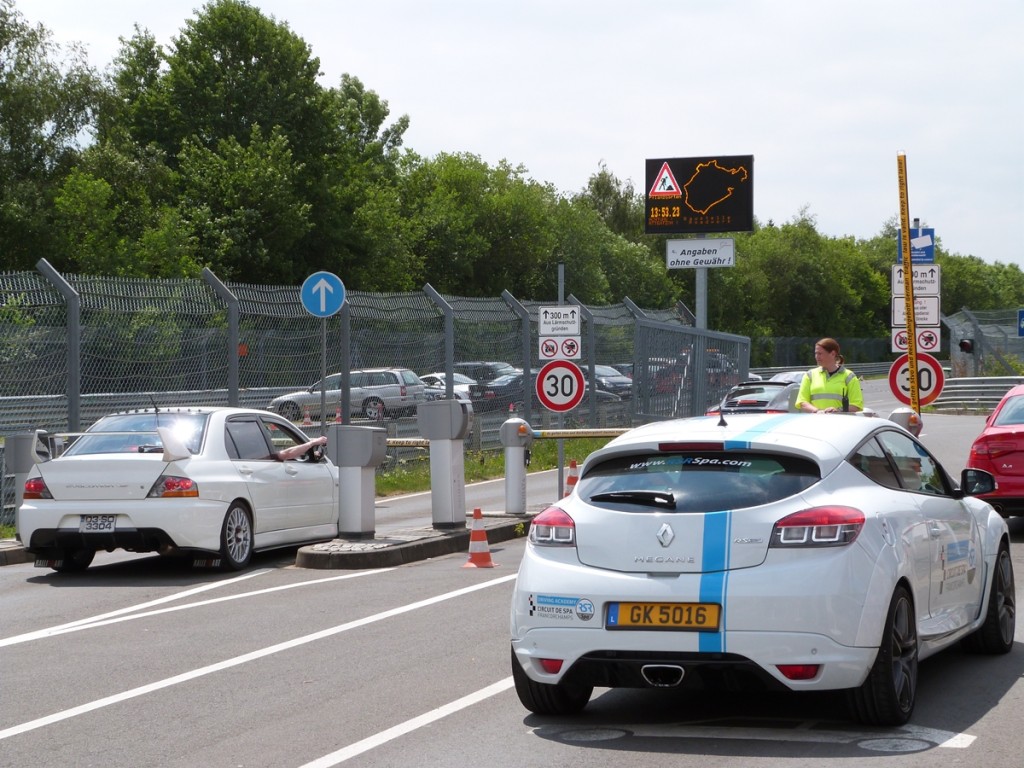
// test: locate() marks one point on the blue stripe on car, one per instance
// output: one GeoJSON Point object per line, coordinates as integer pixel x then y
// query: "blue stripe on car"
{"type": "Point", "coordinates": [715, 568]}
{"type": "Point", "coordinates": [741, 441]}
{"type": "Point", "coordinates": [714, 582]}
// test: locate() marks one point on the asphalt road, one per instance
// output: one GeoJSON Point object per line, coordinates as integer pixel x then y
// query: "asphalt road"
{"type": "Point", "coordinates": [145, 662]}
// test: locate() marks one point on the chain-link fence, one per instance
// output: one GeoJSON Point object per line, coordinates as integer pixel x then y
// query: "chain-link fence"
{"type": "Point", "coordinates": [74, 348]}
{"type": "Point", "coordinates": [985, 343]}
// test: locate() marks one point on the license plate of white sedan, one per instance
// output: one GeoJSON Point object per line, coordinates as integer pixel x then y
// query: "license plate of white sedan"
{"type": "Point", "coordinates": [691, 616]}
{"type": "Point", "coordinates": [97, 523]}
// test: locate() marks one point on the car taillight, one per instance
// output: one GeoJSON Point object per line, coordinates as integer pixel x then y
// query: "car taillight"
{"type": "Point", "coordinates": [831, 526]}
{"type": "Point", "coordinates": [402, 390]}
{"type": "Point", "coordinates": [172, 486]}
{"type": "Point", "coordinates": [35, 488]}
{"type": "Point", "coordinates": [551, 666]}
{"type": "Point", "coordinates": [798, 671]}
{"type": "Point", "coordinates": [993, 449]}
{"type": "Point", "coordinates": [553, 528]}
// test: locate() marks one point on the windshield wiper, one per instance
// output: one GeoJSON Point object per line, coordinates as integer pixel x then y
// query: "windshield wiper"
{"type": "Point", "coordinates": [664, 499]}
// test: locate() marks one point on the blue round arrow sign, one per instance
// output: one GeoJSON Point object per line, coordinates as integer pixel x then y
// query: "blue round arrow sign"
{"type": "Point", "coordinates": [323, 294]}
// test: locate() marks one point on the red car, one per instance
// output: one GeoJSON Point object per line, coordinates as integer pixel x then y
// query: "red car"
{"type": "Point", "coordinates": [999, 449]}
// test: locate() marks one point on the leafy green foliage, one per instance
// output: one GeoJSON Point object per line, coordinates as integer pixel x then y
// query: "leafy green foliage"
{"type": "Point", "coordinates": [414, 476]}
{"type": "Point", "coordinates": [223, 150]}
{"type": "Point", "coordinates": [47, 99]}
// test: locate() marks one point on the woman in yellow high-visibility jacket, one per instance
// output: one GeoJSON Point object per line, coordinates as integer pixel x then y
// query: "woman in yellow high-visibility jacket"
{"type": "Point", "coordinates": [831, 387]}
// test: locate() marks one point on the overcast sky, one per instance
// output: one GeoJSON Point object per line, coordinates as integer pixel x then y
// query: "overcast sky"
{"type": "Point", "coordinates": [824, 95]}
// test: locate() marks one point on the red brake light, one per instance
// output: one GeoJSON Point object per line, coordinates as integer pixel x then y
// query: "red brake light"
{"type": "Point", "coordinates": [553, 528]}
{"type": "Point", "coordinates": [831, 526]}
{"type": "Point", "coordinates": [551, 666]}
{"type": "Point", "coordinates": [993, 449]}
{"type": "Point", "coordinates": [171, 486]}
{"type": "Point", "coordinates": [35, 488]}
{"type": "Point", "coordinates": [691, 446]}
{"type": "Point", "coordinates": [798, 671]}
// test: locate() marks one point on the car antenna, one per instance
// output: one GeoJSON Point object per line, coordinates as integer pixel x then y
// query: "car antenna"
{"type": "Point", "coordinates": [156, 409]}
{"type": "Point", "coordinates": [721, 419]}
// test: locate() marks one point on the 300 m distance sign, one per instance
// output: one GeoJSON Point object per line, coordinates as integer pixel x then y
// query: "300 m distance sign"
{"type": "Point", "coordinates": [560, 385]}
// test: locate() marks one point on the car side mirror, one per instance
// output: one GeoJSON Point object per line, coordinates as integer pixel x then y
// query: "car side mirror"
{"type": "Point", "coordinates": [974, 482]}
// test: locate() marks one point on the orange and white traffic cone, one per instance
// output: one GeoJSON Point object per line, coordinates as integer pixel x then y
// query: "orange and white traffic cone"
{"type": "Point", "coordinates": [572, 479]}
{"type": "Point", "coordinates": [479, 550]}
{"type": "Point", "coordinates": [306, 421]}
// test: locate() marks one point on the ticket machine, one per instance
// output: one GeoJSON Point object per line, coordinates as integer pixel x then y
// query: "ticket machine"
{"type": "Point", "coordinates": [446, 423]}
{"type": "Point", "coordinates": [357, 451]}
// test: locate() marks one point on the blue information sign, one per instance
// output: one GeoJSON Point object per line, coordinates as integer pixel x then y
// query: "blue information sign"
{"type": "Point", "coordinates": [1020, 322]}
{"type": "Point", "coordinates": [922, 245]}
{"type": "Point", "coordinates": [323, 293]}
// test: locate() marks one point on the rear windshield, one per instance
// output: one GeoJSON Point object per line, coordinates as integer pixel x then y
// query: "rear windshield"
{"type": "Point", "coordinates": [705, 481]}
{"type": "Point", "coordinates": [1011, 413]}
{"type": "Point", "coordinates": [136, 433]}
{"type": "Point", "coordinates": [755, 393]}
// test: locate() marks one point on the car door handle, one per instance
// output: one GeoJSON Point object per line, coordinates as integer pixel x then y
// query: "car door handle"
{"type": "Point", "coordinates": [291, 469]}
{"type": "Point", "coordinates": [244, 469]}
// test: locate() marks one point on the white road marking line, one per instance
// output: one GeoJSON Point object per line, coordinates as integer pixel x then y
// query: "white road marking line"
{"type": "Point", "coordinates": [121, 615]}
{"type": "Point", "coordinates": [121, 611]}
{"type": "Point", "coordinates": [805, 733]}
{"type": "Point", "coordinates": [238, 660]}
{"type": "Point", "coordinates": [371, 742]}
{"type": "Point", "coordinates": [188, 606]}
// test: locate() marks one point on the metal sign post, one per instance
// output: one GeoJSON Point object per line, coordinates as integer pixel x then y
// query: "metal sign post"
{"type": "Point", "coordinates": [908, 280]}
{"type": "Point", "coordinates": [323, 295]}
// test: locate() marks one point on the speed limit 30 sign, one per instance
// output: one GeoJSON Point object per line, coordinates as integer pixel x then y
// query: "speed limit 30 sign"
{"type": "Point", "coordinates": [560, 385]}
{"type": "Point", "coordinates": [930, 378]}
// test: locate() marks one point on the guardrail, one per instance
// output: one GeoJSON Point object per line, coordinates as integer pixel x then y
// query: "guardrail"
{"type": "Point", "coordinates": [863, 370]}
{"type": "Point", "coordinates": [973, 394]}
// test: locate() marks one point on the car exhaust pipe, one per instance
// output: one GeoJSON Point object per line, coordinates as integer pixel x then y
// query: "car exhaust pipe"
{"type": "Point", "coordinates": [662, 675]}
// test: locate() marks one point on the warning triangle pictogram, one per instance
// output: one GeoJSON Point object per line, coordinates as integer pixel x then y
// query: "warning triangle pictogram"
{"type": "Point", "coordinates": [665, 184]}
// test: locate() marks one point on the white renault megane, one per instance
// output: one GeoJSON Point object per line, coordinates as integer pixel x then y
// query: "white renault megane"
{"type": "Point", "coordinates": [791, 551]}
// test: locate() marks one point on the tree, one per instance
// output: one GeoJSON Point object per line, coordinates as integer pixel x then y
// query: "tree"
{"type": "Point", "coordinates": [618, 204]}
{"type": "Point", "coordinates": [242, 206]}
{"type": "Point", "coordinates": [234, 78]}
{"type": "Point", "coordinates": [47, 98]}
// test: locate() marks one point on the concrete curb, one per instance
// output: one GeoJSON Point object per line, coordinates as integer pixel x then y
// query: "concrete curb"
{"type": "Point", "coordinates": [406, 545]}
{"type": "Point", "coordinates": [13, 553]}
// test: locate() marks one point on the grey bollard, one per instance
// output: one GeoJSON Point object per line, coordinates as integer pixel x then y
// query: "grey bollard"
{"type": "Point", "coordinates": [356, 451]}
{"type": "Point", "coordinates": [908, 419]}
{"type": "Point", "coordinates": [517, 436]}
{"type": "Point", "coordinates": [19, 457]}
{"type": "Point", "coordinates": [445, 423]}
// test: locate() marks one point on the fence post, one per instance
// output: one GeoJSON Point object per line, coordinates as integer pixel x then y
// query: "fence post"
{"type": "Point", "coordinates": [231, 300]}
{"type": "Point", "coordinates": [74, 358]}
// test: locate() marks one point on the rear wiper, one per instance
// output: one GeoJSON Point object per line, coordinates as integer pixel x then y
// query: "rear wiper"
{"type": "Point", "coordinates": [663, 499]}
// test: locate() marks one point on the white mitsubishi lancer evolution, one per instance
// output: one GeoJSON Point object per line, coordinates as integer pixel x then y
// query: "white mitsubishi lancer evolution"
{"type": "Point", "coordinates": [788, 551]}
